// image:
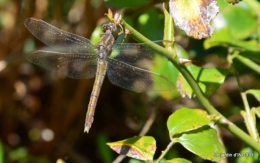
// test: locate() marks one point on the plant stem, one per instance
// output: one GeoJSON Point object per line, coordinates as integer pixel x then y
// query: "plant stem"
{"type": "Point", "coordinates": [249, 119]}
{"type": "Point", "coordinates": [189, 78]}
{"type": "Point", "coordinates": [166, 150]}
{"type": "Point", "coordinates": [248, 63]}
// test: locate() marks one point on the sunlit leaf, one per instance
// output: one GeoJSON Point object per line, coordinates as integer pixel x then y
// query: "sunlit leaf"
{"type": "Point", "coordinates": [177, 160]}
{"type": "Point", "coordinates": [203, 142]}
{"type": "Point", "coordinates": [241, 20]}
{"type": "Point", "coordinates": [141, 148]}
{"type": "Point", "coordinates": [224, 37]}
{"type": "Point", "coordinates": [186, 119]}
{"type": "Point", "coordinates": [209, 80]}
{"type": "Point", "coordinates": [194, 16]}
{"type": "Point", "coordinates": [255, 93]}
{"type": "Point", "coordinates": [253, 6]}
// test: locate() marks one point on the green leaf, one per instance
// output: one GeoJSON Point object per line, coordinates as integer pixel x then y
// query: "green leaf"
{"type": "Point", "coordinates": [177, 160]}
{"type": "Point", "coordinates": [203, 142]}
{"type": "Point", "coordinates": [141, 148]}
{"type": "Point", "coordinates": [146, 24]}
{"type": "Point", "coordinates": [224, 37]}
{"type": "Point", "coordinates": [186, 119]}
{"type": "Point", "coordinates": [104, 151]}
{"type": "Point", "coordinates": [181, 52]}
{"type": "Point", "coordinates": [209, 80]}
{"type": "Point", "coordinates": [166, 69]}
{"type": "Point", "coordinates": [255, 93]}
{"type": "Point", "coordinates": [242, 22]}
{"type": "Point", "coordinates": [253, 6]}
{"type": "Point", "coordinates": [1, 152]}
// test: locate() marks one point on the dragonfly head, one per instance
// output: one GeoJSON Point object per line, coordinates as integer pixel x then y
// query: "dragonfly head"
{"type": "Point", "coordinates": [109, 26]}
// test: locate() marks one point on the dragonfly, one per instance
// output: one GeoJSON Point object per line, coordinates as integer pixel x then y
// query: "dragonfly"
{"type": "Point", "coordinates": [78, 58]}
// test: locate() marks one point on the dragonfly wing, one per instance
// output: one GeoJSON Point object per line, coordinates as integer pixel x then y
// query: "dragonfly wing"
{"type": "Point", "coordinates": [76, 66]}
{"type": "Point", "coordinates": [135, 54]}
{"type": "Point", "coordinates": [60, 40]}
{"type": "Point", "coordinates": [136, 79]}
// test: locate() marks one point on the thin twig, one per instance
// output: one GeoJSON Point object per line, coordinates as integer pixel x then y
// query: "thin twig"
{"type": "Point", "coordinates": [166, 150]}
{"type": "Point", "coordinates": [149, 122]}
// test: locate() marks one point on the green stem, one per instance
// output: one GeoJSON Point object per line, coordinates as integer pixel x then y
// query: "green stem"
{"type": "Point", "coordinates": [232, 54]}
{"type": "Point", "coordinates": [248, 63]}
{"type": "Point", "coordinates": [199, 94]}
{"type": "Point", "coordinates": [166, 150]}
{"type": "Point", "coordinates": [249, 119]}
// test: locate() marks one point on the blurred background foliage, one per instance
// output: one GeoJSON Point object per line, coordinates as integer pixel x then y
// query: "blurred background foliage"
{"type": "Point", "coordinates": [42, 114]}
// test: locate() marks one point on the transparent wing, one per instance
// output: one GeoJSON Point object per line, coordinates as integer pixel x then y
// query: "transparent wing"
{"type": "Point", "coordinates": [78, 66]}
{"type": "Point", "coordinates": [136, 79]}
{"type": "Point", "coordinates": [135, 54]}
{"type": "Point", "coordinates": [60, 40]}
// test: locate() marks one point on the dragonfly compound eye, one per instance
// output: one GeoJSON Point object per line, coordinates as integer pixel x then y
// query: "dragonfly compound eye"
{"type": "Point", "coordinates": [109, 26]}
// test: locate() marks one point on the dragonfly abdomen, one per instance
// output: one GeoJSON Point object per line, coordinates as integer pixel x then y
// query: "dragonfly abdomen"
{"type": "Point", "coordinates": [100, 75]}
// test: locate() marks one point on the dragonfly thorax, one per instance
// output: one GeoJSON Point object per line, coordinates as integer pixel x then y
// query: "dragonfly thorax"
{"type": "Point", "coordinates": [102, 52]}
{"type": "Point", "coordinates": [104, 46]}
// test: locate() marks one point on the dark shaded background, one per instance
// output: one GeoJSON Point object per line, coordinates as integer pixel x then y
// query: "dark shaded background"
{"type": "Point", "coordinates": [36, 104]}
